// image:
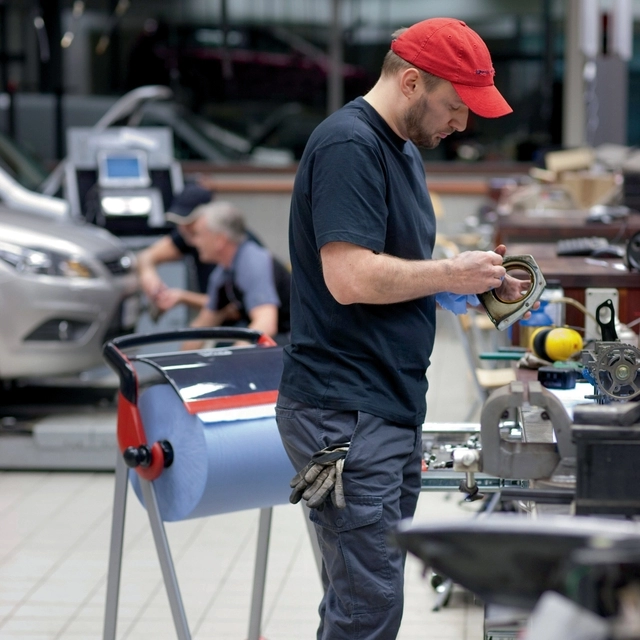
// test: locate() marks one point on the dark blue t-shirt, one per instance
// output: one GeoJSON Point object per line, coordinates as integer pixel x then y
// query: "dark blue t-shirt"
{"type": "Point", "coordinates": [359, 182]}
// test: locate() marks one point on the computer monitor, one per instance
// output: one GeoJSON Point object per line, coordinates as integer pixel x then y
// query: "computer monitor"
{"type": "Point", "coordinates": [123, 169]}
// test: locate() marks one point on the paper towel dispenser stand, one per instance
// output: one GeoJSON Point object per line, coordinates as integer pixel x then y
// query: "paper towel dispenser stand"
{"type": "Point", "coordinates": [149, 460]}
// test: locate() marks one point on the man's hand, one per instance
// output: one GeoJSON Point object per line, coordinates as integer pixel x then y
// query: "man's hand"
{"type": "Point", "coordinates": [168, 298]}
{"type": "Point", "coordinates": [152, 285]}
{"type": "Point", "coordinates": [476, 272]}
{"type": "Point", "coordinates": [513, 289]}
{"type": "Point", "coordinates": [229, 313]}
{"type": "Point", "coordinates": [162, 250]}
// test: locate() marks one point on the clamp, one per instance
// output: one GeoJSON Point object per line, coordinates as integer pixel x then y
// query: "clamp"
{"type": "Point", "coordinates": [503, 458]}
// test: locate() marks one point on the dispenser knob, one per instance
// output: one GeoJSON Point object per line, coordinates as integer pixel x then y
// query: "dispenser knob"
{"type": "Point", "coordinates": [137, 456]}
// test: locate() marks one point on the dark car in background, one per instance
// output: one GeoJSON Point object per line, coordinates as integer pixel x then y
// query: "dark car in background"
{"type": "Point", "coordinates": [239, 63]}
{"type": "Point", "coordinates": [275, 138]}
{"type": "Point", "coordinates": [199, 138]}
{"type": "Point", "coordinates": [243, 76]}
{"type": "Point", "coordinates": [21, 165]}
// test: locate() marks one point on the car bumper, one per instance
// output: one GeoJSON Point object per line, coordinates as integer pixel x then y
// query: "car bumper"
{"type": "Point", "coordinates": [53, 326]}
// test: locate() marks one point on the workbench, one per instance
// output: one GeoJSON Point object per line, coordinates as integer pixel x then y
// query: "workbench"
{"type": "Point", "coordinates": [575, 274]}
{"type": "Point", "coordinates": [551, 225]}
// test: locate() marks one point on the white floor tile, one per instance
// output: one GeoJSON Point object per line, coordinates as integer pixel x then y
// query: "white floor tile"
{"type": "Point", "coordinates": [54, 544]}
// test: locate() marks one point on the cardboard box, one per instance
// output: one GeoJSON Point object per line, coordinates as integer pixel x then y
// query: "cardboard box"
{"type": "Point", "coordinates": [588, 189]}
{"type": "Point", "coordinates": [570, 159]}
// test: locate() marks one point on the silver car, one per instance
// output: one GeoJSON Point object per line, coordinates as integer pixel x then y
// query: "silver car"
{"type": "Point", "coordinates": [65, 288]}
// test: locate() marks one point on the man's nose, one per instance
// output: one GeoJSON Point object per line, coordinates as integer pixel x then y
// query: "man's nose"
{"type": "Point", "coordinates": [459, 120]}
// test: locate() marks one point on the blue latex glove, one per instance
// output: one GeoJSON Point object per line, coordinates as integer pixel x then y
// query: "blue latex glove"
{"type": "Point", "coordinates": [456, 302]}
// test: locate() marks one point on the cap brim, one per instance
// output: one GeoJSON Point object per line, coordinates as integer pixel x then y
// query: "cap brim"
{"type": "Point", "coordinates": [176, 218]}
{"type": "Point", "coordinates": [486, 102]}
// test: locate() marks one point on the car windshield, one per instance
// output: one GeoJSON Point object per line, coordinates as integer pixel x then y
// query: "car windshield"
{"type": "Point", "coordinates": [20, 165]}
{"type": "Point", "coordinates": [196, 138]}
{"type": "Point", "coordinates": [226, 140]}
{"type": "Point", "coordinates": [191, 139]}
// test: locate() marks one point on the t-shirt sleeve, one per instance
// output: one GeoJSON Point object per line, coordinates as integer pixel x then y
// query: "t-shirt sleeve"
{"type": "Point", "coordinates": [215, 282]}
{"type": "Point", "coordinates": [254, 277]}
{"type": "Point", "coordinates": [348, 190]}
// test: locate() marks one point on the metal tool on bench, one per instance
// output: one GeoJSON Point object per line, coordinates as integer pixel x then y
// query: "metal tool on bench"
{"type": "Point", "coordinates": [607, 438]}
{"type": "Point", "coordinates": [591, 564]}
{"type": "Point", "coordinates": [541, 458]}
{"type": "Point", "coordinates": [551, 464]}
{"type": "Point", "coordinates": [612, 367]}
{"type": "Point", "coordinates": [590, 460]}
{"type": "Point", "coordinates": [503, 313]}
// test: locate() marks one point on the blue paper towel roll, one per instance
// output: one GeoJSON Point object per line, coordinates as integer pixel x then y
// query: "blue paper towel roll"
{"type": "Point", "coordinates": [218, 467]}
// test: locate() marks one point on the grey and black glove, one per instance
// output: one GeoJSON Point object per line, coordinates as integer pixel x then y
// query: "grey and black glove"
{"type": "Point", "coordinates": [321, 477]}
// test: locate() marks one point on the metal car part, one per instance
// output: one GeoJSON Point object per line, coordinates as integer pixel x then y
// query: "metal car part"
{"type": "Point", "coordinates": [607, 438]}
{"type": "Point", "coordinates": [526, 460]}
{"type": "Point", "coordinates": [614, 369]}
{"type": "Point", "coordinates": [617, 367]}
{"type": "Point", "coordinates": [503, 313]}
{"type": "Point", "coordinates": [511, 560]}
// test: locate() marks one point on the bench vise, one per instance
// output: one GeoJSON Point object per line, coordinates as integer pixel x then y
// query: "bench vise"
{"type": "Point", "coordinates": [550, 457]}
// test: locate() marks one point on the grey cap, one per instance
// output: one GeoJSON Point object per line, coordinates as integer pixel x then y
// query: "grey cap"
{"type": "Point", "coordinates": [182, 209]}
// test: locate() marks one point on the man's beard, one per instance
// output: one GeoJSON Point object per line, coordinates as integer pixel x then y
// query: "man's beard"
{"type": "Point", "coordinates": [414, 128]}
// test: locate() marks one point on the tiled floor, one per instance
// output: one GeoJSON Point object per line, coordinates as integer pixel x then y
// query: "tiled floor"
{"type": "Point", "coordinates": [54, 545]}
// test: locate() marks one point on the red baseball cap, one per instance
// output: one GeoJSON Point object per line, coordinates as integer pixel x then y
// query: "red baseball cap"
{"type": "Point", "coordinates": [449, 49]}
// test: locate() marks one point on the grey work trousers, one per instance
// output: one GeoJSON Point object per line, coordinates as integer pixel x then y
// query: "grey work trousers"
{"type": "Point", "coordinates": [363, 575]}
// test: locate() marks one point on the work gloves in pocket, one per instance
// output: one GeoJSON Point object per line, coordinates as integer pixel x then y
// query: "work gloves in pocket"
{"type": "Point", "coordinates": [321, 477]}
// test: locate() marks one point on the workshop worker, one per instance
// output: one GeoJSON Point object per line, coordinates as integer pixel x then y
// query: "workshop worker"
{"type": "Point", "coordinates": [249, 287]}
{"type": "Point", "coordinates": [362, 230]}
{"type": "Point", "coordinates": [174, 246]}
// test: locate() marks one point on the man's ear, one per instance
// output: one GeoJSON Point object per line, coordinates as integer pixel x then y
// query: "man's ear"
{"type": "Point", "coordinates": [409, 82]}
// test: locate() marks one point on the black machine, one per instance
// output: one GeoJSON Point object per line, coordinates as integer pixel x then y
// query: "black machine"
{"type": "Point", "coordinates": [122, 178]}
{"type": "Point", "coordinates": [573, 572]}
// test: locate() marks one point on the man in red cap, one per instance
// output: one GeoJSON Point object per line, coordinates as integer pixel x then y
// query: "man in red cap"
{"type": "Point", "coordinates": [449, 49]}
{"type": "Point", "coordinates": [364, 287]}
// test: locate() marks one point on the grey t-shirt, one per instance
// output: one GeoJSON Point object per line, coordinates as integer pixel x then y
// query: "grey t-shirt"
{"type": "Point", "coordinates": [249, 282]}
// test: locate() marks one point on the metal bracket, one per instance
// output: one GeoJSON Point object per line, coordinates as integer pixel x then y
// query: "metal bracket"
{"type": "Point", "coordinates": [526, 460]}
{"type": "Point", "coordinates": [503, 313]}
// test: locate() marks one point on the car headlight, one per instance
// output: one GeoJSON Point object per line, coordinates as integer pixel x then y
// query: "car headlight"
{"type": "Point", "coordinates": [44, 262]}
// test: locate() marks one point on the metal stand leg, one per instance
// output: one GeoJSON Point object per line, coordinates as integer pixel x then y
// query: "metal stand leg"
{"type": "Point", "coordinates": [166, 563]}
{"type": "Point", "coordinates": [115, 551]}
{"type": "Point", "coordinates": [445, 590]}
{"type": "Point", "coordinates": [260, 573]}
